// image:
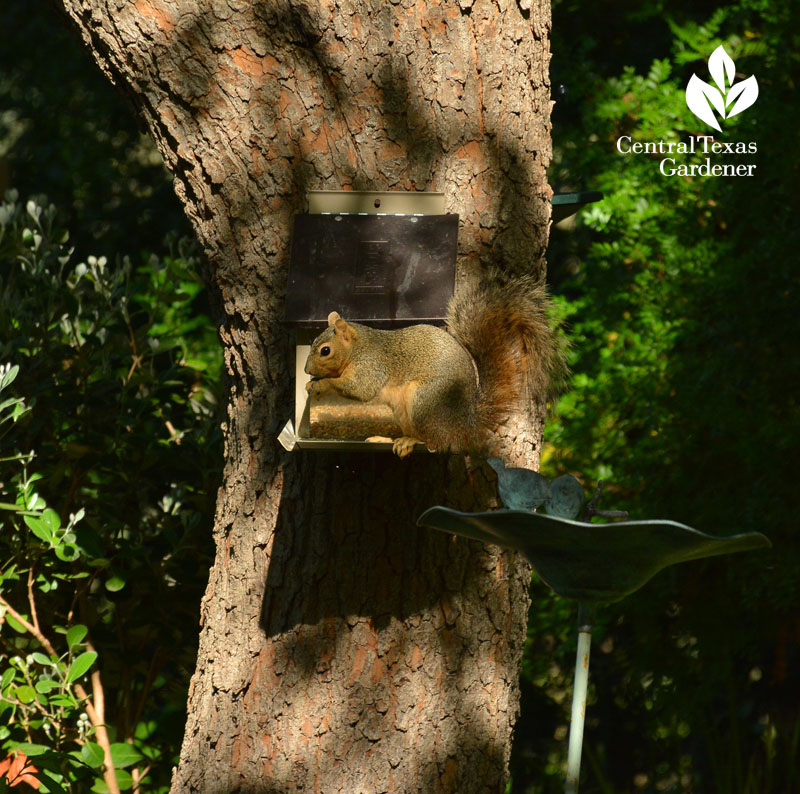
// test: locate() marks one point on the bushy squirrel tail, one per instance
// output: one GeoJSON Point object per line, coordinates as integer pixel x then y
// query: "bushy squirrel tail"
{"type": "Point", "coordinates": [504, 324]}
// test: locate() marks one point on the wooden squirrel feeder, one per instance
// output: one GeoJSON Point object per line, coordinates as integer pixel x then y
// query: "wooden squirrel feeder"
{"type": "Point", "coordinates": [384, 259]}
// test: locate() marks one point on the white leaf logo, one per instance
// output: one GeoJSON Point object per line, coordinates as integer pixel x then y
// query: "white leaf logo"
{"type": "Point", "coordinates": [698, 96]}
{"type": "Point", "coordinates": [720, 64]}
{"type": "Point", "coordinates": [726, 98]}
{"type": "Point", "coordinates": [745, 93]}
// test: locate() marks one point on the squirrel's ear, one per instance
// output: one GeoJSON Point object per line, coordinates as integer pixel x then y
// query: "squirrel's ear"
{"type": "Point", "coordinates": [345, 331]}
{"type": "Point", "coordinates": [333, 317]}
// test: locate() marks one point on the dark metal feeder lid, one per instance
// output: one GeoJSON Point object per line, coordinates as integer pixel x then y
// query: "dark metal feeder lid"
{"type": "Point", "coordinates": [384, 270]}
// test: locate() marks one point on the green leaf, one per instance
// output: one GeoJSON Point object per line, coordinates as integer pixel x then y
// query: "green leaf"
{"type": "Point", "coordinates": [19, 410]}
{"type": "Point", "coordinates": [67, 552]}
{"type": "Point", "coordinates": [32, 750]}
{"type": "Point", "coordinates": [64, 701]}
{"type": "Point", "coordinates": [98, 562]}
{"type": "Point", "coordinates": [123, 754]}
{"type": "Point", "coordinates": [8, 377]}
{"type": "Point", "coordinates": [25, 694]}
{"type": "Point", "coordinates": [81, 666]}
{"type": "Point", "coordinates": [40, 658]}
{"type": "Point", "coordinates": [8, 677]}
{"type": "Point", "coordinates": [6, 403]}
{"type": "Point", "coordinates": [75, 635]}
{"type": "Point", "coordinates": [45, 685]}
{"type": "Point", "coordinates": [46, 585]}
{"type": "Point", "coordinates": [51, 519]}
{"type": "Point", "coordinates": [92, 753]}
{"type": "Point", "coordinates": [51, 784]}
{"type": "Point", "coordinates": [124, 781]}
{"type": "Point", "coordinates": [72, 576]}
{"type": "Point", "coordinates": [115, 584]}
{"type": "Point", "coordinates": [196, 363]}
{"type": "Point", "coordinates": [39, 528]}
{"type": "Point", "coordinates": [35, 502]}
{"type": "Point", "coordinates": [15, 624]}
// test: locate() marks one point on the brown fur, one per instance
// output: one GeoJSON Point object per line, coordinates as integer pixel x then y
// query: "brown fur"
{"type": "Point", "coordinates": [506, 330]}
{"type": "Point", "coordinates": [426, 376]}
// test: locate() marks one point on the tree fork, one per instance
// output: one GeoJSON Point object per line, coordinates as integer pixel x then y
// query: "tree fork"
{"type": "Point", "coordinates": [342, 649]}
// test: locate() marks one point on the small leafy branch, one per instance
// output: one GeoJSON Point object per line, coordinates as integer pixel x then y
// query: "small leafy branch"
{"type": "Point", "coordinates": [43, 693]}
{"type": "Point", "coordinates": [725, 97]}
{"type": "Point", "coordinates": [104, 520]}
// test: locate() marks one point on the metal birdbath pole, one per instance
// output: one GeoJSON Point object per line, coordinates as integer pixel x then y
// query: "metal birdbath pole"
{"type": "Point", "coordinates": [585, 624]}
{"type": "Point", "coordinates": [565, 554]}
{"type": "Point", "coordinates": [586, 613]}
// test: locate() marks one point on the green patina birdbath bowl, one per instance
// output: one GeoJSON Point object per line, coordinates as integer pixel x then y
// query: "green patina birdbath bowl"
{"type": "Point", "coordinates": [591, 563]}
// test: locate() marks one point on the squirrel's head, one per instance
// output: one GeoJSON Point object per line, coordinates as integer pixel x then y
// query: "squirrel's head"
{"type": "Point", "coordinates": [330, 351]}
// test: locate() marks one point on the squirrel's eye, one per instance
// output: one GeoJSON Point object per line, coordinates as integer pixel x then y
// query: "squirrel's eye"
{"type": "Point", "coordinates": [325, 351]}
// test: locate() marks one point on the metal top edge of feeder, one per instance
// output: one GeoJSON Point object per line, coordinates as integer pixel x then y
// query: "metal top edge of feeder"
{"type": "Point", "coordinates": [567, 204]}
{"type": "Point", "coordinates": [409, 202]}
{"type": "Point", "coordinates": [375, 202]}
{"type": "Point", "coordinates": [315, 326]}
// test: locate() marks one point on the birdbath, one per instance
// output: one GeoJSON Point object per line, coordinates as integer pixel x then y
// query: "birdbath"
{"type": "Point", "coordinates": [592, 564]}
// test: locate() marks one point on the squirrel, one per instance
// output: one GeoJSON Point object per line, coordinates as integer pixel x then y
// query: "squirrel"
{"type": "Point", "coordinates": [449, 389]}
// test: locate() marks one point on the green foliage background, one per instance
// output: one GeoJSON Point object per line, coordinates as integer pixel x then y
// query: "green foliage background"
{"type": "Point", "coordinates": [110, 447]}
{"type": "Point", "coordinates": [679, 295]}
{"type": "Point", "coordinates": [119, 370]}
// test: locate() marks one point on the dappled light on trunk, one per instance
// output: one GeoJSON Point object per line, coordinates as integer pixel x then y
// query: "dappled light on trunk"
{"type": "Point", "coordinates": [342, 648]}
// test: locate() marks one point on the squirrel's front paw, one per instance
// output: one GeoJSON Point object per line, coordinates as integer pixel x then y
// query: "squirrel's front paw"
{"type": "Point", "coordinates": [403, 446]}
{"type": "Point", "coordinates": [316, 387]}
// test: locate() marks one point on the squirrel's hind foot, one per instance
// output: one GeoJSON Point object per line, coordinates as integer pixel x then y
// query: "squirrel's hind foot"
{"type": "Point", "coordinates": [404, 446]}
{"type": "Point", "coordinates": [401, 447]}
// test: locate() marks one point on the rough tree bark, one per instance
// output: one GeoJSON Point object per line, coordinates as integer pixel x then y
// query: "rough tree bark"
{"type": "Point", "coordinates": [342, 649]}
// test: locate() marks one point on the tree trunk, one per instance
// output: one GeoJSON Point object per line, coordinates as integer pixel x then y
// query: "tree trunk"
{"type": "Point", "coordinates": [342, 648]}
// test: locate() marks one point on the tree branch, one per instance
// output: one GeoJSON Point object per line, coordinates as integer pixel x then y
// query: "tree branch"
{"type": "Point", "coordinates": [96, 714]}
